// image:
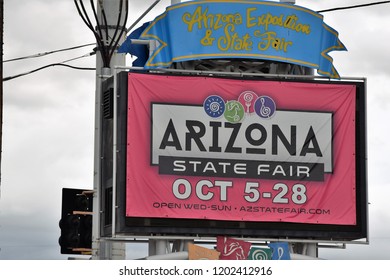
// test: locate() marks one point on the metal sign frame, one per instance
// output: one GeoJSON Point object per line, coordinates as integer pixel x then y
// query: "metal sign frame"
{"type": "Point", "coordinates": [116, 226]}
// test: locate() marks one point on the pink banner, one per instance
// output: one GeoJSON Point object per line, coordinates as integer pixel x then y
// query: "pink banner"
{"type": "Point", "coordinates": [240, 150]}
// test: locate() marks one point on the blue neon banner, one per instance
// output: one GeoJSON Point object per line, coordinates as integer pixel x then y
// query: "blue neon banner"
{"type": "Point", "coordinates": [243, 29]}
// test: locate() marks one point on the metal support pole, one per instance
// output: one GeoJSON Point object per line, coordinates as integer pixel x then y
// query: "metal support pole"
{"type": "Point", "coordinates": [158, 247]}
{"type": "Point", "coordinates": [161, 247]}
{"type": "Point", "coordinates": [312, 250]}
{"type": "Point", "coordinates": [103, 249]}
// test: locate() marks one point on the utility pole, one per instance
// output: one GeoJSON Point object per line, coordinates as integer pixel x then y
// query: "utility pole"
{"type": "Point", "coordinates": [102, 249]}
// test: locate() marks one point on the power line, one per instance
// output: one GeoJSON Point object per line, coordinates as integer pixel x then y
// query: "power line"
{"type": "Point", "coordinates": [52, 65]}
{"type": "Point", "coordinates": [353, 7]}
{"type": "Point", "coordinates": [43, 67]}
{"type": "Point", "coordinates": [105, 51]}
{"type": "Point", "coordinates": [106, 46]}
{"type": "Point", "coordinates": [143, 15]}
{"type": "Point", "coordinates": [48, 52]}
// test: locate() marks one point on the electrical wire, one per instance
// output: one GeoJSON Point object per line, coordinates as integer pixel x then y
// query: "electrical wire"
{"type": "Point", "coordinates": [48, 52]}
{"type": "Point", "coordinates": [143, 15]}
{"type": "Point", "coordinates": [105, 51]}
{"type": "Point", "coordinates": [353, 7]}
{"type": "Point", "coordinates": [104, 18]}
{"type": "Point", "coordinates": [99, 40]}
{"type": "Point", "coordinates": [112, 46]}
{"type": "Point", "coordinates": [44, 67]}
{"type": "Point", "coordinates": [108, 46]}
{"type": "Point", "coordinates": [53, 64]}
{"type": "Point", "coordinates": [96, 18]}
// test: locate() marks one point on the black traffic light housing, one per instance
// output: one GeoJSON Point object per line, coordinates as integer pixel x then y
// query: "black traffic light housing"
{"type": "Point", "coordinates": [76, 221]}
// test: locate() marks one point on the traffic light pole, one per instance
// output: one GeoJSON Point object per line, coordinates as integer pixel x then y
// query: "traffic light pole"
{"type": "Point", "coordinates": [102, 249]}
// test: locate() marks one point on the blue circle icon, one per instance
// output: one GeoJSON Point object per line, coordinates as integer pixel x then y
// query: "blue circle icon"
{"type": "Point", "coordinates": [214, 106]}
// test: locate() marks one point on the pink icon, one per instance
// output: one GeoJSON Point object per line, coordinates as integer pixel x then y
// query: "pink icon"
{"type": "Point", "coordinates": [248, 99]}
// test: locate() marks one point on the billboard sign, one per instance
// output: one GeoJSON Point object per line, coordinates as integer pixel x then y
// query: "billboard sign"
{"type": "Point", "coordinates": [235, 150]}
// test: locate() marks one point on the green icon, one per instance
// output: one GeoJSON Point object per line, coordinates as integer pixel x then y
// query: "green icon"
{"type": "Point", "coordinates": [234, 111]}
{"type": "Point", "coordinates": [257, 253]}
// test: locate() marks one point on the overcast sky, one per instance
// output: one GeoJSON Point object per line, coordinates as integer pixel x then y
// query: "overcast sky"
{"type": "Point", "coordinates": [49, 119]}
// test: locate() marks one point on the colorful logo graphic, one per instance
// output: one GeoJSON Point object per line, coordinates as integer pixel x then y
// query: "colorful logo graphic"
{"type": "Point", "coordinates": [247, 99]}
{"type": "Point", "coordinates": [234, 111]}
{"type": "Point", "coordinates": [257, 253]}
{"type": "Point", "coordinates": [232, 249]}
{"type": "Point", "coordinates": [280, 251]}
{"type": "Point", "coordinates": [265, 107]}
{"type": "Point", "coordinates": [214, 106]}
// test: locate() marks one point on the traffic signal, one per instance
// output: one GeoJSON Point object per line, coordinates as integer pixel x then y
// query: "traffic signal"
{"type": "Point", "coordinates": [76, 221]}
